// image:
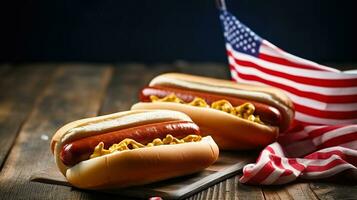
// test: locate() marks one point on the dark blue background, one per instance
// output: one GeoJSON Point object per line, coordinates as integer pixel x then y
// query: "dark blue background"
{"type": "Point", "coordinates": [169, 30]}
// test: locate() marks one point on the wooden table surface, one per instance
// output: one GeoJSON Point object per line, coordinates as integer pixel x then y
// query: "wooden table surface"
{"type": "Point", "coordinates": [37, 99]}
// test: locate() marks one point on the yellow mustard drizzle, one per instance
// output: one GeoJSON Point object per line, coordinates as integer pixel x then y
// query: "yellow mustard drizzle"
{"type": "Point", "coordinates": [244, 111]}
{"type": "Point", "coordinates": [128, 144]}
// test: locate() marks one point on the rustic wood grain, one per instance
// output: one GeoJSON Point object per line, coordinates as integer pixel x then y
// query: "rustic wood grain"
{"type": "Point", "coordinates": [204, 69]}
{"type": "Point", "coordinates": [125, 84]}
{"type": "Point", "coordinates": [74, 92]}
{"type": "Point", "coordinates": [19, 88]}
{"type": "Point", "coordinates": [243, 191]}
{"type": "Point", "coordinates": [297, 191]}
{"type": "Point", "coordinates": [327, 191]}
{"type": "Point", "coordinates": [4, 68]}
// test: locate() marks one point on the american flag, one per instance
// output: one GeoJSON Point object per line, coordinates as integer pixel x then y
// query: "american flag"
{"type": "Point", "coordinates": [323, 140]}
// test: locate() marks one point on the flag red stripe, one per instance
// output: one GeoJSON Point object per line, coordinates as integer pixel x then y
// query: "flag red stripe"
{"type": "Point", "coordinates": [310, 95]}
{"type": "Point", "coordinates": [299, 124]}
{"type": "Point", "coordinates": [283, 61]}
{"type": "Point", "coordinates": [332, 164]}
{"type": "Point", "coordinates": [321, 131]}
{"type": "Point", "coordinates": [339, 140]}
{"type": "Point", "coordinates": [263, 173]}
{"type": "Point", "coordinates": [326, 114]}
{"type": "Point", "coordinates": [325, 155]}
{"type": "Point", "coordinates": [321, 116]}
{"type": "Point", "coordinates": [304, 80]}
{"type": "Point", "coordinates": [270, 149]}
{"type": "Point", "coordinates": [287, 172]}
{"type": "Point", "coordinates": [277, 161]}
{"type": "Point", "coordinates": [295, 164]}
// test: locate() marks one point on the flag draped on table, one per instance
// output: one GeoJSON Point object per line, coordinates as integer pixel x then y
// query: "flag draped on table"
{"type": "Point", "coordinates": [323, 140]}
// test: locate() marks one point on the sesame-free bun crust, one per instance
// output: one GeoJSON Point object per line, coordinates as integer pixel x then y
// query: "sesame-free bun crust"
{"type": "Point", "coordinates": [144, 165]}
{"type": "Point", "coordinates": [228, 131]}
{"type": "Point", "coordinates": [264, 94]}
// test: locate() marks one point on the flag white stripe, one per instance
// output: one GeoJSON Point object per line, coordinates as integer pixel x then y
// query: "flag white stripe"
{"type": "Point", "coordinates": [305, 79]}
{"type": "Point", "coordinates": [321, 162]}
{"type": "Point", "coordinates": [299, 135]}
{"type": "Point", "coordinates": [318, 105]}
{"type": "Point", "coordinates": [333, 134]}
{"type": "Point", "coordinates": [319, 120]}
{"type": "Point", "coordinates": [286, 165]}
{"type": "Point", "coordinates": [327, 173]}
{"type": "Point", "coordinates": [254, 168]}
{"type": "Point", "coordinates": [308, 73]}
{"type": "Point", "coordinates": [311, 128]}
{"type": "Point", "coordinates": [330, 91]}
{"type": "Point", "coordinates": [277, 149]}
{"type": "Point", "coordinates": [302, 117]}
{"type": "Point", "coordinates": [344, 150]}
{"type": "Point", "coordinates": [272, 50]}
{"type": "Point", "coordinates": [274, 175]}
{"type": "Point", "coordinates": [351, 145]}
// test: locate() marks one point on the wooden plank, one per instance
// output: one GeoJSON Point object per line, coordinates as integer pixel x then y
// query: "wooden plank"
{"type": "Point", "coordinates": [18, 90]}
{"type": "Point", "coordinates": [125, 84]}
{"type": "Point", "coordinates": [207, 194]}
{"type": "Point", "coordinates": [74, 92]}
{"type": "Point", "coordinates": [295, 191]}
{"type": "Point", "coordinates": [128, 79]}
{"type": "Point", "coordinates": [4, 69]}
{"type": "Point", "coordinates": [231, 189]}
{"type": "Point", "coordinates": [326, 191]}
{"type": "Point", "coordinates": [247, 191]}
{"type": "Point", "coordinates": [204, 69]}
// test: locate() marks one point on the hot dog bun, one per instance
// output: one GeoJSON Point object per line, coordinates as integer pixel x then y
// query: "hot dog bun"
{"type": "Point", "coordinates": [265, 94]}
{"type": "Point", "coordinates": [135, 166]}
{"type": "Point", "coordinates": [229, 131]}
{"type": "Point", "coordinates": [141, 166]}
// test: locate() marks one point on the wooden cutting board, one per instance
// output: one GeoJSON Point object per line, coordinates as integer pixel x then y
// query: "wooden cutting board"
{"type": "Point", "coordinates": [228, 164]}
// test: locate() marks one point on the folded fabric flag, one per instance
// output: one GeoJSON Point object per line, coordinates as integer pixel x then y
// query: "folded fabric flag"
{"type": "Point", "coordinates": [322, 142]}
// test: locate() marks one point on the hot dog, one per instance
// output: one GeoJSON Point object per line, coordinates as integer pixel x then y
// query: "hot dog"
{"type": "Point", "coordinates": [238, 116]}
{"type": "Point", "coordinates": [131, 148]}
{"type": "Point", "coordinates": [79, 150]}
{"type": "Point", "coordinates": [267, 113]}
